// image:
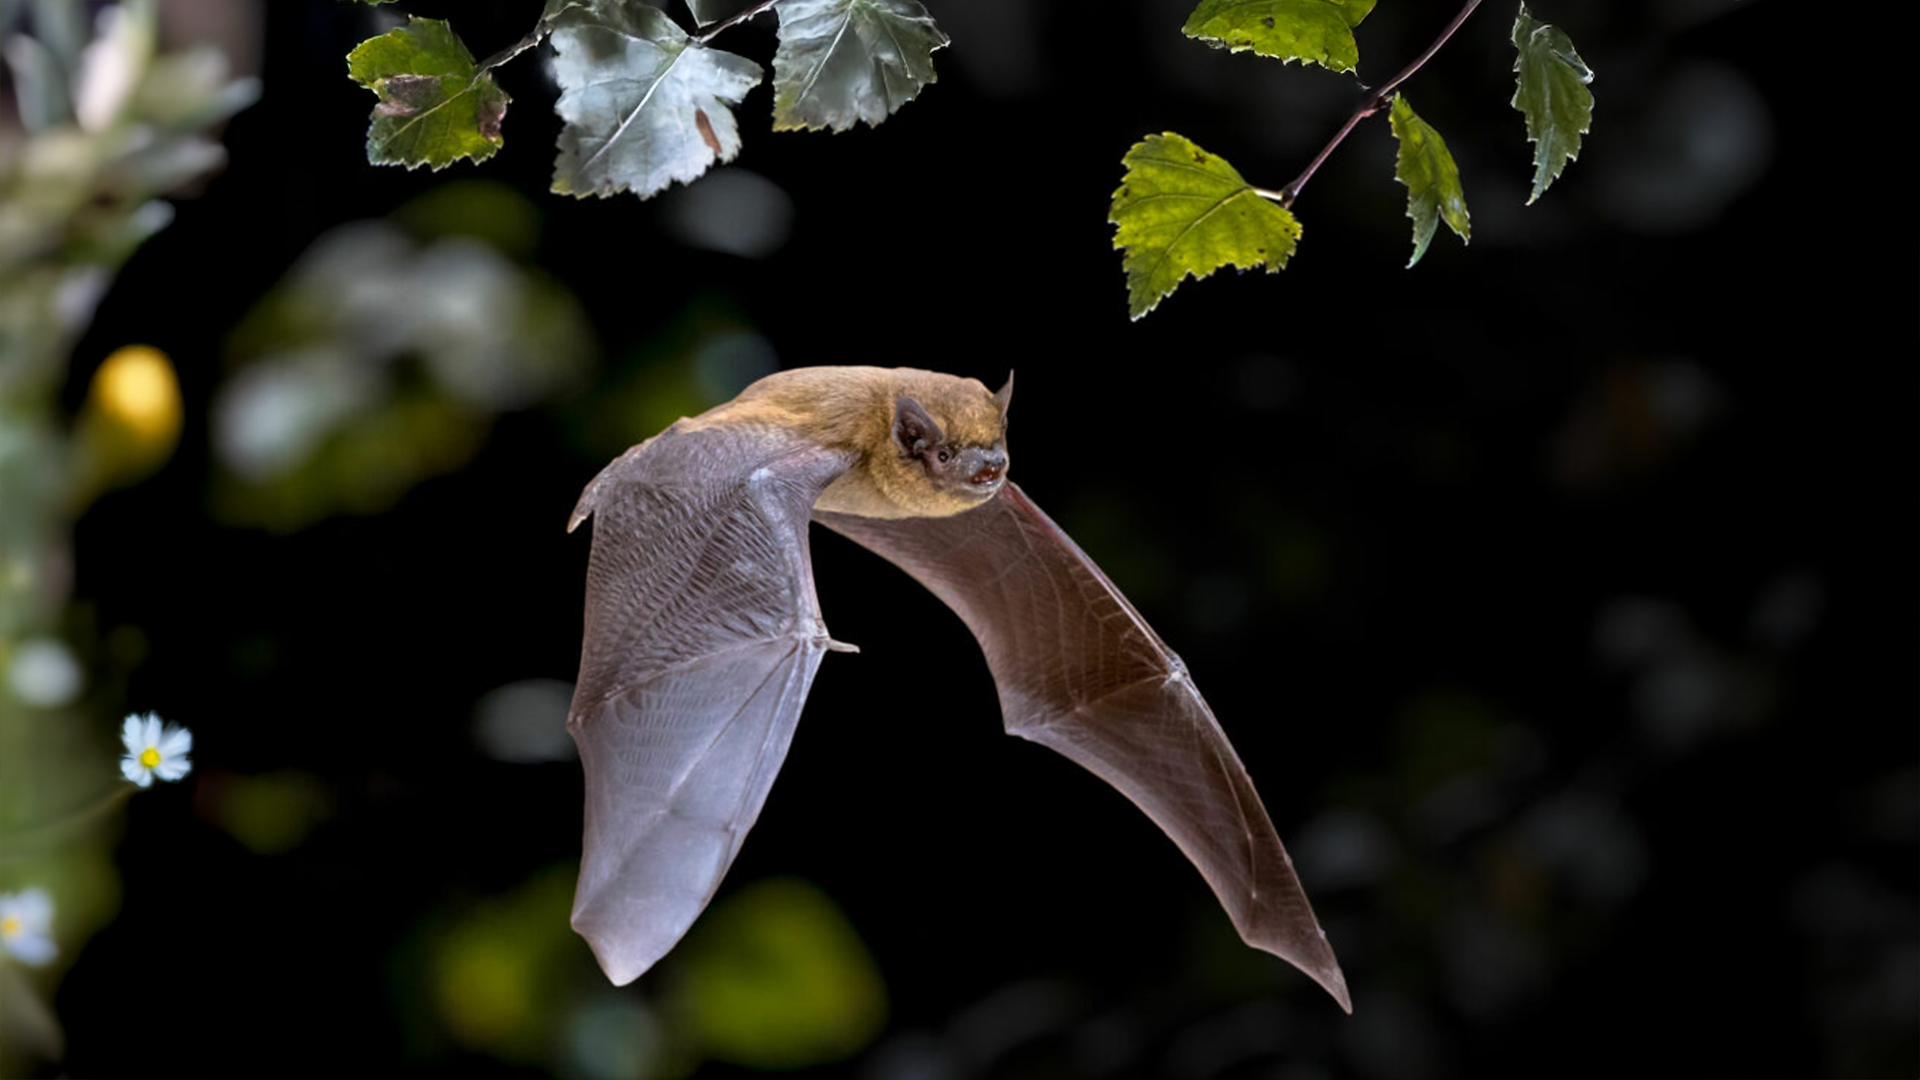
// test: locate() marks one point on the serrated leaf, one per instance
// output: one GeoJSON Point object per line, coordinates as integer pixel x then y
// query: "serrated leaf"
{"type": "Point", "coordinates": [1433, 181]}
{"type": "Point", "coordinates": [435, 106]}
{"type": "Point", "coordinates": [644, 104]}
{"type": "Point", "coordinates": [1180, 211]}
{"type": "Point", "coordinates": [841, 61]}
{"type": "Point", "coordinates": [1310, 31]}
{"type": "Point", "coordinates": [1552, 93]}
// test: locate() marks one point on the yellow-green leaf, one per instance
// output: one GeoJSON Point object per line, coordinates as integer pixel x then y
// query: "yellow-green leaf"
{"type": "Point", "coordinates": [1180, 211]}
{"type": "Point", "coordinates": [1552, 93]}
{"type": "Point", "coordinates": [1433, 181]}
{"type": "Point", "coordinates": [1310, 31]}
{"type": "Point", "coordinates": [435, 107]}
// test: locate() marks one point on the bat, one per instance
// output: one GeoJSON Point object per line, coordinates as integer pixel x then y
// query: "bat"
{"type": "Point", "coordinates": [703, 633]}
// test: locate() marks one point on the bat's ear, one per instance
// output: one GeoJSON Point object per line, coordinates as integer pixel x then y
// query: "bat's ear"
{"type": "Point", "coordinates": [913, 429]}
{"type": "Point", "coordinates": [1005, 396]}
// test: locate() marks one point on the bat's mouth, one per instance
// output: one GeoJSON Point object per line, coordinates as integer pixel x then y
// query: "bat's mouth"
{"type": "Point", "coordinates": [984, 469]}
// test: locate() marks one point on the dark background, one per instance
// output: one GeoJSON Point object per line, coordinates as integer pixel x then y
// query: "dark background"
{"type": "Point", "coordinates": [1558, 593]}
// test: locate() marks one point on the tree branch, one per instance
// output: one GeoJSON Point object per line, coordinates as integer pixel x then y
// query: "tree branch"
{"type": "Point", "coordinates": [739, 18]}
{"type": "Point", "coordinates": [1368, 106]}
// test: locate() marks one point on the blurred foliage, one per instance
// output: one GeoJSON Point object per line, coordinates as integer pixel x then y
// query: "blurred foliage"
{"type": "Point", "coordinates": [495, 967]}
{"type": "Point", "coordinates": [105, 124]}
{"type": "Point", "coordinates": [269, 814]}
{"type": "Point", "coordinates": [775, 977]}
{"type": "Point", "coordinates": [384, 356]}
{"type": "Point", "coordinates": [708, 352]}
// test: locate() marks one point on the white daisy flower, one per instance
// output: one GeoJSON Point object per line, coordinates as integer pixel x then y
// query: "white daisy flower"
{"type": "Point", "coordinates": [154, 749]}
{"type": "Point", "coordinates": [26, 926]}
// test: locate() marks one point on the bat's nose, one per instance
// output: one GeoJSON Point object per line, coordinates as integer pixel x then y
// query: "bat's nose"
{"type": "Point", "coordinates": [988, 467]}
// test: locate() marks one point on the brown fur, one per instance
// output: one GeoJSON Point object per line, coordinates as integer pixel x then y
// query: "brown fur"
{"type": "Point", "coordinates": [852, 408]}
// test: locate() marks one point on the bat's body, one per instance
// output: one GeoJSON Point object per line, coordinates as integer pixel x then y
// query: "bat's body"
{"type": "Point", "coordinates": [703, 634]}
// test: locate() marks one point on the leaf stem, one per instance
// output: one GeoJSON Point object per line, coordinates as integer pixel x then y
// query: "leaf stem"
{"type": "Point", "coordinates": [30, 842]}
{"type": "Point", "coordinates": [738, 17]}
{"type": "Point", "coordinates": [1371, 104]}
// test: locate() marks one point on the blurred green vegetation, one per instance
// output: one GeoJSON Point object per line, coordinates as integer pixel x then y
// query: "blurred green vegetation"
{"type": "Point", "coordinates": [384, 356]}
{"type": "Point", "coordinates": [775, 977]}
{"type": "Point", "coordinates": [100, 125]}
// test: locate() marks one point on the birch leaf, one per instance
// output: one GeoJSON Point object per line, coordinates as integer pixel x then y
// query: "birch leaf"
{"type": "Point", "coordinates": [1181, 211]}
{"type": "Point", "coordinates": [1433, 181]}
{"type": "Point", "coordinates": [841, 61]}
{"type": "Point", "coordinates": [644, 104]}
{"type": "Point", "coordinates": [1310, 31]}
{"type": "Point", "coordinates": [1552, 93]}
{"type": "Point", "coordinates": [435, 107]}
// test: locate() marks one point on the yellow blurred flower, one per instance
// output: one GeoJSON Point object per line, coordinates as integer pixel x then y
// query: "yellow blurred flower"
{"type": "Point", "coordinates": [137, 390]}
{"type": "Point", "coordinates": [130, 423]}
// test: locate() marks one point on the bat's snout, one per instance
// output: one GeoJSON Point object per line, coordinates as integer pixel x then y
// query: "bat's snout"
{"type": "Point", "coordinates": [988, 467]}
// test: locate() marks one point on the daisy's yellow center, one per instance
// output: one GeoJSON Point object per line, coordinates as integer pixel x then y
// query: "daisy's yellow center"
{"type": "Point", "coordinates": [9, 926]}
{"type": "Point", "coordinates": [150, 757]}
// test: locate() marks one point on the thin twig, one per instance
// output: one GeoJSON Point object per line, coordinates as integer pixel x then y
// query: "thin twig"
{"type": "Point", "coordinates": [743, 16]}
{"type": "Point", "coordinates": [540, 30]}
{"type": "Point", "coordinates": [1368, 106]}
{"type": "Point", "coordinates": [545, 27]}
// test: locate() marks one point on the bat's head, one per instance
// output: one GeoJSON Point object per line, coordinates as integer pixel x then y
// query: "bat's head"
{"type": "Point", "coordinates": [949, 438]}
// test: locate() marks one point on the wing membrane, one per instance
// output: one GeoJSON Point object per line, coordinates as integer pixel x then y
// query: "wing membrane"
{"type": "Point", "coordinates": [702, 638]}
{"type": "Point", "coordinates": [1080, 671]}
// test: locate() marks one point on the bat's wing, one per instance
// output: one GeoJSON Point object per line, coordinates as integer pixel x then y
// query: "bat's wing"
{"type": "Point", "coordinates": [702, 637]}
{"type": "Point", "coordinates": [1079, 671]}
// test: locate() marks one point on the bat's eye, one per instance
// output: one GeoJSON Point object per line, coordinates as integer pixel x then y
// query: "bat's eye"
{"type": "Point", "coordinates": [944, 456]}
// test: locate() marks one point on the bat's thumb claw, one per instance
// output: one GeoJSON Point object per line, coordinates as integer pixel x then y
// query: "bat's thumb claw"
{"type": "Point", "coordinates": [841, 646]}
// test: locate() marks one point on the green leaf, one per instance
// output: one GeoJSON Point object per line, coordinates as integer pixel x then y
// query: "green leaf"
{"type": "Point", "coordinates": [644, 104]}
{"type": "Point", "coordinates": [1552, 94]}
{"type": "Point", "coordinates": [1432, 179]}
{"type": "Point", "coordinates": [845, 60]}
{"type": "Point", "coordinates": [1181, 211]}
{"type": "Point", "coordinates": [1310, 31]}
{"type": "Point", "coordinates": [435, 107]}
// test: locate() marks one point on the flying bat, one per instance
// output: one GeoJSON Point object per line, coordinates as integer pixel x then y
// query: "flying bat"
{"type": "Point", "coordinates": [703, 633]}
